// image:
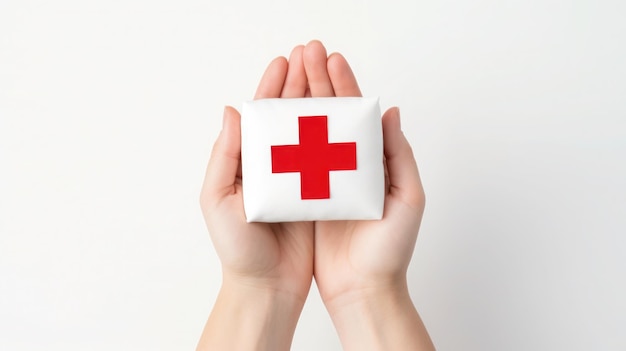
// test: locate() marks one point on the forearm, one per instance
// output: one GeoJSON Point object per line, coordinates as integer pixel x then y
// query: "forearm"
{"type": "Point", "coordinates": [251, 318]}
{"type": "Point", "coordinates": [379, 319]}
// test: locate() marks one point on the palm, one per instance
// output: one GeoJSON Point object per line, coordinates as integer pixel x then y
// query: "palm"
{"type": "Point", "coordinates": [271, 252]}
{"type": "Point", "coordinates": [358, 254]}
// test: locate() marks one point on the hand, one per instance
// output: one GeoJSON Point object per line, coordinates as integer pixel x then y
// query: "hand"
{"type": "Point", "coordinates": [267, 267]}
{"type": "Point", "coordinates": [360, 266]}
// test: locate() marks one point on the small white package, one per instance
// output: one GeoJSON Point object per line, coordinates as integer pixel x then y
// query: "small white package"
{"type": "Point", "coordinates": [312, 159]}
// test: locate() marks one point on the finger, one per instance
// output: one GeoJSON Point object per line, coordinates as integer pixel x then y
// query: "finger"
{"type": "Point", "coordinates": [404, 177]}
{"type": "Point", "coordinates": [273, 79]}
{"type": "Point", "coordinates": [314, 57]}
{"type": "Point", "coordinates": [296, 82]}
{"type": "Point", "coordinates": [341, 76]}
{"type": "Point", "coordinates": [224, 163]}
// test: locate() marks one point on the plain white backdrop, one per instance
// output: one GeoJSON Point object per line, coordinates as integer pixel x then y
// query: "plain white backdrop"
{"type": "Point", "coordinates": [516, 111]}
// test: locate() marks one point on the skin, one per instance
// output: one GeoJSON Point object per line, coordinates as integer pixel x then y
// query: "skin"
{"type": "Point", "coordinates": [359, 266]}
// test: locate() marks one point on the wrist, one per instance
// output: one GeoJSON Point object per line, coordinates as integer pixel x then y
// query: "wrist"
{"type": "Point", "coordinates": [264, 300]}
{"type": "Point", "coordinates": [364, 290]}
{"type": "Point", "coordinates": [368, 297]}
{"type": "Point", "coordinates": [294, 292]}
{"type": "Point", "coordinates": [260, 290]}
{"type": "Point", "coordinates": [378, 317]}
{"type": "Point", "coordinates": [251, 316]}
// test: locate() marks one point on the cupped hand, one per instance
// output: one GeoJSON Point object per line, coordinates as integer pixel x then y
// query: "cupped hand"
{"type": "Point", "coordinates": [275, 256]}
{"type": "Point", "coordinates": [357, 257]}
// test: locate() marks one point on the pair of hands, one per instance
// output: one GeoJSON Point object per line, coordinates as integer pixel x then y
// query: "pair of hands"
{"type": "Point", "coordinates": [350, 260]}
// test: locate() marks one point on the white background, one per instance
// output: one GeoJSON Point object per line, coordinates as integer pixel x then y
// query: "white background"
{"type": "Point", "coordinates": [516, 111]}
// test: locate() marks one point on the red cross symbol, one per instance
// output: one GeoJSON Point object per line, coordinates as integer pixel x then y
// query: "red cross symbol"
{"type": "Point", "coordinates": [314, 157]}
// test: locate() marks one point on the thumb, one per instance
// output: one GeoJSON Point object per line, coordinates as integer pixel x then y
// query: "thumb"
{"type": "Point", "coordinates": [404, 177]}
{"type": "Point", "coordinates": [221, 172]}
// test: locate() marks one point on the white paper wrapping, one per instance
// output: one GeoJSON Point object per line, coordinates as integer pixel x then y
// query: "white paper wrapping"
{"type": "Point", "coordinates": [278, 197]}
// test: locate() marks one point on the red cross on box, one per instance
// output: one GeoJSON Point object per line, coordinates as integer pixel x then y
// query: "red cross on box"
{"type": "Point", "coordinates": [314, 157]}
